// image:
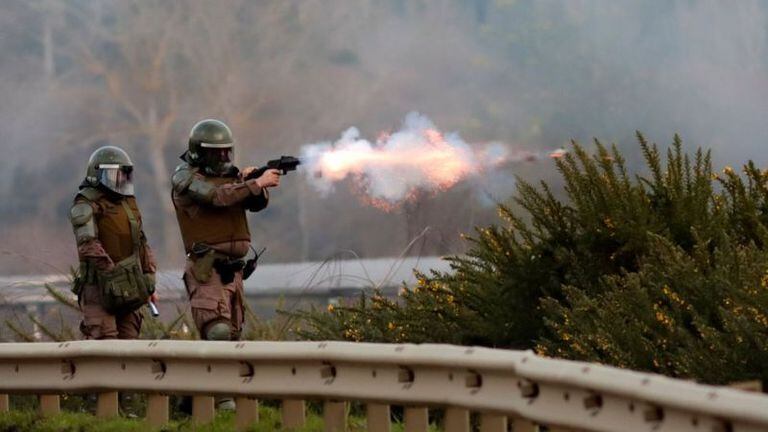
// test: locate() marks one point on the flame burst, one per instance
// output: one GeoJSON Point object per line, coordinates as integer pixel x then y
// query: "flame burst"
{"type": "Point", "coordinates": [398, 167]}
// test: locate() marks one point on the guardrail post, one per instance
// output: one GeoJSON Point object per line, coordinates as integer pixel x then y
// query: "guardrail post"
{"type": "Point", "coordinates": [5, 404]}
{"type": "Point", "coordinates": [456, 419]}
{"type": "Point", "coordinates": [49, 405]}
{"type": "Point", "coordinates": [247, 412]}
{"type": "Point", "coordinates": [497, 423]}
{"type": "Point", "coordinates": [378, 417]}
{"type": "Point", "coordinates": [335, 416]}
{"type": "Point", "coordinates": [293, 413]}
{"type": "Point", "coordinates": [106, 404]}
{"type": "Point", "coordinates": [202, 409]}
{"type": "Point", "coordinates": [524, 425]}
{"type": "Point", "coordinates": [416, 419]}
{"type": "Point", "coordinates": [157, 410]}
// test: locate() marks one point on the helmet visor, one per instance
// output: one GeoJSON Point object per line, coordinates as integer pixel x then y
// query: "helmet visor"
{"type": "Point", "coordinates": [218, 160]}
{"type": "Point", "coordinates": [117, 178]}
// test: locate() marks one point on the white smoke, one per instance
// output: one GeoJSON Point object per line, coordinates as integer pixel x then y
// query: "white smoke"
{"type": "Point", "coordinates": [416, 158]}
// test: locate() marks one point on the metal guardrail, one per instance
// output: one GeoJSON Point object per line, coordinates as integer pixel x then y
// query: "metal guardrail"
{"type": "Point", "coordinates": [503, 386]}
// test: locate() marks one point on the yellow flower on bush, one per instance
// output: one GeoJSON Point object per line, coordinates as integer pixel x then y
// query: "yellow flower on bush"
{"type": "Point", "coordinates": [609, 223]}
{"type": "Point", "coordinates": [672, 295]}
{"type": "Point", "coordinates": [663, 318]}
{"type": "Point", "coordinates": [764, 280]}
{"type": "Point", "coordinates": [578, 348]}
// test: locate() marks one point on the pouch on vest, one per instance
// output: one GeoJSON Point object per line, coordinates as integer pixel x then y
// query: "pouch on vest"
{"type": "Point", "coordinates": [126, 288]}
{"type": "Point", "coordinates": [202, 268]}
{"type": "Point", "coordinates": [227, 268]}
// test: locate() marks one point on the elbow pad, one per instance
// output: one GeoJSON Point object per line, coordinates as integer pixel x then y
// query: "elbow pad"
{"type": "Point", "coordinates": [83, 224]}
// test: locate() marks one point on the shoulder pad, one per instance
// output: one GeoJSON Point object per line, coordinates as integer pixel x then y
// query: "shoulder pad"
{"type": "Point", "coordinates": [81, 217]}
{"type": "Point", "coordinates": [90, 193]}
{"type": "Point", "coordinates": [80, 213]}
{"type": "Point", "coordinates": [201, 190]}
{"type": "Point", "coordinates": [182, 177]}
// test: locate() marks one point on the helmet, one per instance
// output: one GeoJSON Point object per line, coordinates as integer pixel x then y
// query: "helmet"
{"type": "Point", "coordinates": [110, 167]}
{"type": "Point", "coordinates": [211, 147]}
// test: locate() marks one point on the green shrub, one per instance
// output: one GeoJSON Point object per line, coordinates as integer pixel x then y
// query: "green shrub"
{"type": "Point", "coordinates": [269, 421]}
{"type": "Point", "coordinates": [29, 421]}
{"type": "Point", "coordinates": [663, 271]}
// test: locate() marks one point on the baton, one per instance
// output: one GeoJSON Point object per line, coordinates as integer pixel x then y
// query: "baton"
{"type": "Point", "coordinates": [153, 309]}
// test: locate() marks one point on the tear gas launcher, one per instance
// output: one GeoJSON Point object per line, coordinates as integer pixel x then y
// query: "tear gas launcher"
{"type": "Point", "coordinates": [284, 164]}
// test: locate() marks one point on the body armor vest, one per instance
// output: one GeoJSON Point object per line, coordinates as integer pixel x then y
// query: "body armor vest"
{"type": "Point", "coordinates": [113, 225]}
{"type": "Point", "coordinates": [209, 224]}
{"type": "Point", "coordinates": [125, 287]}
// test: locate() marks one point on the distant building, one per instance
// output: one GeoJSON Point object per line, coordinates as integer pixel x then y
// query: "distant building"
{"type": "Point", "coordinates": [271, 287]}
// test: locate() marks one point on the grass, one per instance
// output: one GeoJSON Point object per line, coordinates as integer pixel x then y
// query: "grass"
{"type": "Point", "coordinates": [269, 421]}
{"type": "Point", "coordinates": [28, 421]}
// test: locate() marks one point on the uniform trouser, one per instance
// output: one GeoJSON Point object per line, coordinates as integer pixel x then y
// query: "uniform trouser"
{"type": "Point", "coordinates": [215, 302]}
{"type": "Point", "coordinates": [97, 323]}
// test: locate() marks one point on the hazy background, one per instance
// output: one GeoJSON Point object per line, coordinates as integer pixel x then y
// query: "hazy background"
{"type": "Point", "coordinates": [78, 74]}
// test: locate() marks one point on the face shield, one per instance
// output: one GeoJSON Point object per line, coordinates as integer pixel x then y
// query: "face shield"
{"type": "Point", "coordinates": [217, 160]}
{"type": "Point", "coordinates": [117, 178]}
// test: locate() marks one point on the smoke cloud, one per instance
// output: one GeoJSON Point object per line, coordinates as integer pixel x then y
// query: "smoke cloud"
{"type": "Point", "coordinates": [418, 158]}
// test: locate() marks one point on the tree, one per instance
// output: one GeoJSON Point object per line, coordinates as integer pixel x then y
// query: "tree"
{"type": "Point", "coordinates": [155, 61]}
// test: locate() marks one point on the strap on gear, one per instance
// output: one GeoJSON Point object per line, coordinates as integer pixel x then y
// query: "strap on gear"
{"type": "Point", "coordinates": [90, 193]}
{"type": "Point", "coordinates": [126, 288]}
{"type": "Point", "coordinates": [135, 235]}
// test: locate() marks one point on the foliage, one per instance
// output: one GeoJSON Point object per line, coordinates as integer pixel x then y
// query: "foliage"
{"type": "Point", "coordinates": [663, 271]}
{"type": "Point", "coordinates": [696, 315]}
{"type": "Point", "coordinates": [275, 329]}
{"type": "Point", "coordinates": [56, 327]}
{"type": "Point", "coordinates": [27, 421]}
{"type": "Point", "coordinates": [378, 318]}
{"type": "Point", "coordinates": [695, 307]}
{"type": "Point", "coordinates": [269, 421]}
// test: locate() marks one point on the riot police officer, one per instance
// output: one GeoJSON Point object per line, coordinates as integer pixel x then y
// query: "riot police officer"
{"type": "Point", "coordinates": [211, 197]}
{"type": "Point", "coordinates": [117, 268]}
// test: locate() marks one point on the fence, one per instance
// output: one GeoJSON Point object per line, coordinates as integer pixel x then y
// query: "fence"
{"type": "Point", "coordinates": [503, 386]}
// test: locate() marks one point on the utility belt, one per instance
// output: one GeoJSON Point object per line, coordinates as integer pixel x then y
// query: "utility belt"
{"type": "Point", "coordinates": [205, 259]}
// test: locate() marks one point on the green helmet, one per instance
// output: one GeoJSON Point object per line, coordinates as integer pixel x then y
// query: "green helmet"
{"type": "Point", "coordinates": [211, 147]}
{"type": "Point", "coordinates": [110, 167]}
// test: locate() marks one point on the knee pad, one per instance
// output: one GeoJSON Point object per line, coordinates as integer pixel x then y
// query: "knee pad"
{"type": "Point", "coordinates": [218, 331]}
